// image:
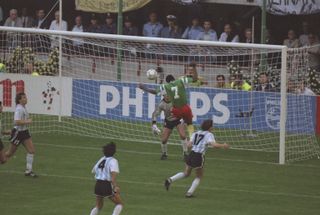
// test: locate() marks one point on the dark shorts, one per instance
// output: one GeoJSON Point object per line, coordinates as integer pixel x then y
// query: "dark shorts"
{"type": "Point", "coordinates": [1, 145]}
{"type": "Point", "coordinates": [184, 113]}
{"type": "Point", "coordinates": [103, 188]}
{"type": "Point", "coordinates": [195, 160]}
{"type": "Point", "coordinates": [18, 137]}
{"type": "Point", "coordinates": [171, 124]}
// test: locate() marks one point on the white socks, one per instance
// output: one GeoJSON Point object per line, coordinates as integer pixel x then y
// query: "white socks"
{"type": "Point", "coordinates": [177, 176]}
{"type": "Point", "coordinates": [184, 145]}
{"type": "Point", "coordinates": [117, 209]}
{"type": "Point", "coordinates": [164, 148]}
{"type": "Point", "coordinates": [194, 185]}
{"type": "Point", "coordinates": [29, 160]}
{"type": "Point", "coordinates": [94, 211]}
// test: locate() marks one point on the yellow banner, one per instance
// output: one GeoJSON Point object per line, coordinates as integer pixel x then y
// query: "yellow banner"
{"type": "Point", "coordinates": [109, 6]}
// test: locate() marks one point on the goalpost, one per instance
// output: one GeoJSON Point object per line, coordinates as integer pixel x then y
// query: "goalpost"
{"type": "Point", "coordinates": [90, 100]}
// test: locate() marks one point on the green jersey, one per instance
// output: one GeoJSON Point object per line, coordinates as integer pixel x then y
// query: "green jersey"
{"type": "Point", "coordinates": [176, 91]}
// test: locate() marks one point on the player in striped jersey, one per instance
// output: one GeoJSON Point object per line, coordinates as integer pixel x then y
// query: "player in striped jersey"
{"type": "Point", "coordinates": [199, 142]}
{"type": "Point", "coordinates": [176, 91]}
{"type": "Point", "coordinates": [20, 133]}
{"type": "Point", "coordinates": [106, 171]}
{"type": "Point", "coordinates": [169, 123]}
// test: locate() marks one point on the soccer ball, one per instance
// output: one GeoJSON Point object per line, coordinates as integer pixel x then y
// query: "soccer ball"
{"type": "Point", "coordinates": [152, 74]}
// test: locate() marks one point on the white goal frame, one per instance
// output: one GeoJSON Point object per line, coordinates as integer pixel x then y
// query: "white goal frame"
{"type": "Point", "coordinates": [282, 49]}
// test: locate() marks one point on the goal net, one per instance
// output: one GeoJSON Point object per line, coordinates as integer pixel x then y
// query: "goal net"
{"type": "Point", "coordinates": [87, 84]}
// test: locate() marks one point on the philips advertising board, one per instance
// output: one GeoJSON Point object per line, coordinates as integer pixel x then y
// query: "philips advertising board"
{"type": "Point", "coordinates": [228, 108]}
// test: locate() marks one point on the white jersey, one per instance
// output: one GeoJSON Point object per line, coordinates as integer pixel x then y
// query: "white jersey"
{"type": "Point", "coordinates": [20, 113]}
{"type": "Point", "coordinates": [104, 167]}
{"type": "Point", "coordinates": [201, 140]}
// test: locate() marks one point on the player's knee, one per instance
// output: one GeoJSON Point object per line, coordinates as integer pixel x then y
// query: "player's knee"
{"type": "Point", "coordinates": [186, 174]}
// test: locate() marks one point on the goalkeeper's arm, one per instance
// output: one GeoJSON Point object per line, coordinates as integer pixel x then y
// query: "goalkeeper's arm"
{"type": "Point", "coordinates": [146, 89]}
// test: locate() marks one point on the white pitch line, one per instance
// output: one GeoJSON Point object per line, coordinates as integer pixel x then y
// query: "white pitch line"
{"type": "Point", "coordinates": [294, 195]}
{"type": "Point", "coordinates": [173, 155]}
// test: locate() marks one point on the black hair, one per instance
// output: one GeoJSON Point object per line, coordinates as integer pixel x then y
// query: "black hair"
{"type": "Point", "coordinates": [109, 150]}
{"type": "Point", "coordinates": [19, 97]}
{"type": "Point", "coordinates": [220, 76]}
{"type": "Point", "coordinates": [170, 78]}
{"type": "Point", "coordinates": [206, 124]}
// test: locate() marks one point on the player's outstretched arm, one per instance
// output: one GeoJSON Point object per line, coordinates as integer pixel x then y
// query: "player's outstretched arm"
{"type": "Point", "coordinates": [218, 145]}
{"type": "Point", "coordinates": [146, 89]}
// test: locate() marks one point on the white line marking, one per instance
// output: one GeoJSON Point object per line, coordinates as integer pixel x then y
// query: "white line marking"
{"type": "Point", "coordinates": [295, 195]}
{"type": "Point", "coordinates": [173, 155]}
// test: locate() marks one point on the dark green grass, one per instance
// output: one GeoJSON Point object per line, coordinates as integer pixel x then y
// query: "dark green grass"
{"type": "Point", "coordinates": [235, 182]}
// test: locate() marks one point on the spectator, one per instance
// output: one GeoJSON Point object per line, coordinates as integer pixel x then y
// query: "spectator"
{"type": "Point", "coordinates": [314, 51]}
{"type": "Point", "coordinates": [110, 27]}
{"type": "Point", "coordinates": [172, 30]}
{"type": "Point", "coordinates": [229, 34]}
{"type": "Point", "coordinates": [94, 27]}
{"type": "Point", "coordinates": [40, 21]}
{"type": "Point", "coordinates": [231, 80]}
{"type": "Point", "coordinates": [56, 26]}
{"type": "Point", "coordinates": [221, 81]}
{"type": "Point", "coordinates": [248, 36]}
{"type": "Point", "coordinates": [303, 90]}
{"type": "Point", "coordinates": [291, 41]}
{"type": "Point", "coordinates": [208, 33]}
{"type": "Point", "coordinates": [153, 27]}
{"type": "Point", "coordinates": [192, 32]}
{"type": "Point", "coordinates": [264, 84]}
{"type": "Point", "coordinates": [303, 38]}
{"type": "Point", "coordinates": [78, 28]}
{"type": "Point", "coordinates": [129, 28]}
{"type": "Point", "coordinates": [27, 21]}
{"type": "Point", "coordinates": [292, 86]}
{"type": "Point", "coordinates": [240, 84]}
{"type": "Point", "coordinates": [13, 20]}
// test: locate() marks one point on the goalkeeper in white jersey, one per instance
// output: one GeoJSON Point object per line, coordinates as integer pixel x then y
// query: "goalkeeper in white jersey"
{"type": "Point", "coordinates": [106, 171]}
{"type": "Point", "coordinates": [169, 123]}
{"type": "Point", "coordinates": [199, 142]}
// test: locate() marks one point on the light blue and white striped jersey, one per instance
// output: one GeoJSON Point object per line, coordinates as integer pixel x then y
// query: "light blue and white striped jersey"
{"type": "Point", "coordinates": [21, 113]}
{"type": "Point", "coordinates": [201, 140]}
{"type": "Point", "coordinates": [104, 167]}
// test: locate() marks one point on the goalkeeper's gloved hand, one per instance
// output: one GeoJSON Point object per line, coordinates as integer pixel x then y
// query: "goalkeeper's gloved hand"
{"type": "Point", "coordinates": [155, 129]}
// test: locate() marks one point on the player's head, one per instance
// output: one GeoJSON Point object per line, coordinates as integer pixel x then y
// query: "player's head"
{"type": "Point", "coordinates": [21, 98]}
{"type": "Point", "coordinates": [207, 125]}
{"type": "Point", "coordinates": [109, 150]}
{"type": "Point", "coordinates": [191, 69]}
{"type": "Point", "coordinates": [170, 78]}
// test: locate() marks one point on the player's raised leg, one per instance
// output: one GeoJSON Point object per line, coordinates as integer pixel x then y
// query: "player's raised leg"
{"type": "Point", "coordinates": [178, 176]}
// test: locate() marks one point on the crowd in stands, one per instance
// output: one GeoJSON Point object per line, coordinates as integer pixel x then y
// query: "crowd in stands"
{"type": "Point", "coordinates": [197, 30]}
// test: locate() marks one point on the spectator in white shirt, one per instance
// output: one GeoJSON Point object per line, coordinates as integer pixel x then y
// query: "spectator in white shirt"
{"type": "Point", "coordinates": [55, 25]}
{"type": "Point", "coordinates": [229, 34]}
{"type": "Point", "coordinates": [13, 20]}
{"type": "Point", "coordinates": [303, 38]}
{"type": "Point", "coordinates": [78, 28]}
{"type": "Point", "coordinates": [208, 33]}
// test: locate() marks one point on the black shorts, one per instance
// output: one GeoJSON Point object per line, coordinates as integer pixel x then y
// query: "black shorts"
{"type": "Point", "coordinates": [171, 124]}
{"type": "Point", "coordinates": [103, 188]}
{"type": "Point", "coordinates": [1, 145]}
{"type": "Point", "coordinates": [18, 137]}
{"type": "Point", "coordinates": [195, 160]}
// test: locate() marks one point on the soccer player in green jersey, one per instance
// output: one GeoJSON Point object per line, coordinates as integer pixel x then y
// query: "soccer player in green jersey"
{"type": "Point", "coordinates": [176, 91]}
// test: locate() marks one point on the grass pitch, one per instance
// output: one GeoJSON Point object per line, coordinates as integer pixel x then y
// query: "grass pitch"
{"type": "Point", "coordinates": [235, 182]}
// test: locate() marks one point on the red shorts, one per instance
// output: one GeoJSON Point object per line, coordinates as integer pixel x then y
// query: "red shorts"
{"type": "Point", "coordinates": [184, 113]}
